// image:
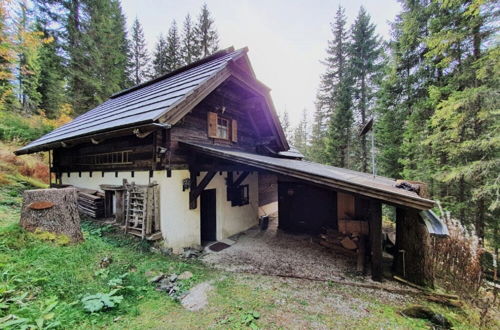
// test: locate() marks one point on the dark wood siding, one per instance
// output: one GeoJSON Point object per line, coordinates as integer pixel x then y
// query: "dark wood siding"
{"type": "Point", "coordinates": [306, 208]}
{"type": "Point", "coordinates": [194, 127]}
{"type": "Point", "coordinates": [82, 157]}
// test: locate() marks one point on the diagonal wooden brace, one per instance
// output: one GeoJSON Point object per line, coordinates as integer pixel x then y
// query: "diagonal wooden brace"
{"type": "Point", "coordinates": [196, 190]}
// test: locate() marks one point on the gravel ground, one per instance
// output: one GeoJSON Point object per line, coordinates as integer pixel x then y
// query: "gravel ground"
{"type": "Point", "coordinates": [273, 252]}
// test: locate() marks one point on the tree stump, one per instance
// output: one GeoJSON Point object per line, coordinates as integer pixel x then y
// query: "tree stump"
{"type": "Point", "coordinates": [52, 210]}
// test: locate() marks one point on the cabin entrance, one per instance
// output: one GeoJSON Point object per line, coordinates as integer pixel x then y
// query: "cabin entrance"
{"type": "Point", "coordinates": [208, 225]}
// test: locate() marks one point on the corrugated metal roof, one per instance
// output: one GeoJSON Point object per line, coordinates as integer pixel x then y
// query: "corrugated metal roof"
{"type": "Point", "coordinates": [434, 225]}
{"type": "Point", "coordinates": [343, 179]}
{"type": "Point", "coordinates": [140, 104]}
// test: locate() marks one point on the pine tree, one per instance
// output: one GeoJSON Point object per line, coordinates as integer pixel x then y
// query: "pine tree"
{"type": "Point", "coordinates": [173, 52]}
{"type": "Point", "coordinates": [285, 123]}
{"type": "Point", "coordinates": [7, 57]}
{"type": "Point", "coordinates": [206, 34]}
{"type": "Point", "coordinates": [336, 88]}
{"type": "Point", "coordinates": [51, 87]}
{"type": "Point", "coordinates": [401, 107]}
{"type": "Point", "coordinates": [300, 134]}
{"type": "Point", "coordinates": [139, 54]}
{"type": "Point", "coordinates": [464, 126]}
{"type": "Point", "coordinates": [317, 149]}
{"type": "Point", "coordinates": [190, 50]}
{"type": "Point", "coordinates": [365, 69]}
{"type": "Point", "coordinates": [160, 57]}
{"type": "Point", "coordinates": [28, 44]}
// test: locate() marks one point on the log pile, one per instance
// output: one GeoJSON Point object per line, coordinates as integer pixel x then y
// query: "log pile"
{"type": "Point", "coordinates": [91, 202]}
{"type": "Point", "coordinates": [349, 244]}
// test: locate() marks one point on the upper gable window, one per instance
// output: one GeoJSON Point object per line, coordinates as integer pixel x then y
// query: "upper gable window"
{"type": "Point", "coordinates": [222, 128]}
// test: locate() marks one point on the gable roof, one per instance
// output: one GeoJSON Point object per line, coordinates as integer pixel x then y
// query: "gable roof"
{"type": "Point", "coordinates": [365, 184]}
{"type": "Point", "coordinates": [148, 102]}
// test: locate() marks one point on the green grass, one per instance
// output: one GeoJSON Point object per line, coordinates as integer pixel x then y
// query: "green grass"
{"type": "Point", "coordinates": [42, 284]}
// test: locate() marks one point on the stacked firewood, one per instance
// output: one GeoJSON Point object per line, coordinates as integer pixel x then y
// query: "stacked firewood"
{"type": "Point", "coordinates": [338, 241]}
{"type": "Point", "coordinates": [350, 240]}
{"type": "Point", "coordinates": [91, 202]}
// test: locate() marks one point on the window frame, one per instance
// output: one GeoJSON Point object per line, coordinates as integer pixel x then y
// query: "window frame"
{"type": "Point", "coordinates": [227, 128]}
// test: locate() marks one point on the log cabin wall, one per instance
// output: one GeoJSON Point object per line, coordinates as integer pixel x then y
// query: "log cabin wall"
{"type": "Point", "coordinates": [115, 154]}
{"type": "Point", "coordinates": [194, 126]}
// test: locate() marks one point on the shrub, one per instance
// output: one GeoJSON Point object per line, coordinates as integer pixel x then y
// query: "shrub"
{"type": "Point", "coordinates": [457, 263]}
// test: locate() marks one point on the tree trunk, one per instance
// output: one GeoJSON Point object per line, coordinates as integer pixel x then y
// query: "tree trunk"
{"type": "Point", "coordinates": [413, 259]}
{"type": "Point", "coordinates": [52, 210]}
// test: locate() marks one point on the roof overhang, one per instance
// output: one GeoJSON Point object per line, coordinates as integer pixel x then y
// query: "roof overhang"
{"type": "Point", "coordinates": [107, 134]}
{"type": "Point", "coordinates": [379, 188]}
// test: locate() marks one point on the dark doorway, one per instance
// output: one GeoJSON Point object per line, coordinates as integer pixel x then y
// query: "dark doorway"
{"type": "Point", "coordinates": [208, 216]}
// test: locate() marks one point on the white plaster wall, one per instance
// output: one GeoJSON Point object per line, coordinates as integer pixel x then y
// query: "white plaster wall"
{"type": "Point", "coordinates": [180, 226]}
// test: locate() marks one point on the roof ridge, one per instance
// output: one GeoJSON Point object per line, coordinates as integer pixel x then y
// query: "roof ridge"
{"type": "Point", "coordinates": [204, 60]}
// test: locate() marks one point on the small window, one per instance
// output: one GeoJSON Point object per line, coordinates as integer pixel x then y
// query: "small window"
{"type": "Point", "coordinates": [222, 128]}
{"type": "Point", "coordinates": [241, 196]}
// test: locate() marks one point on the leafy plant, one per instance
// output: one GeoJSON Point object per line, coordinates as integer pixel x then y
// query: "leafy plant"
{"type": "Point", "coordinates": [101, 301]}
{"type": "Point", "coordinates": [117, 281]}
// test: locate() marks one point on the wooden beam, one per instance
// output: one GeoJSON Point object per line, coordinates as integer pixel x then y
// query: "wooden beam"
{"type": "Point", "coordinates": [196, 190]}
{"type": "Point", "coordinates": [376, 239]}
{"type": "Point", "coordinates": [240, 179]}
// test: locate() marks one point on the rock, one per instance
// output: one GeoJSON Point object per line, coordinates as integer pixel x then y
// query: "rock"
{"type": "Point", "coordinates": [348, 243]}
{"type": "Point", "coordinates": [185, 275]}
{"type": "Point", "coordinates": [422, 312]}
{"type": "Point", "coordinates": [105, 262]}
{"type": "Point", "coordinates": [197, 297]}
{"type": "Point", "coordinates": [157, 278]}
{"type": "Point", "coordinates": [191, 253]}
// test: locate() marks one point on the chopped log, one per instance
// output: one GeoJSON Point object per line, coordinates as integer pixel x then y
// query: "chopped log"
{"type": "Point", "coordinates": [60, 219]}
{"type": "Point", "coordinates": [348, 243]}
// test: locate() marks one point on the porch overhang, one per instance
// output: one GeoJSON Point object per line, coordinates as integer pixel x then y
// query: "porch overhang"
{"type": "Point", "coordinates": [364, 184]}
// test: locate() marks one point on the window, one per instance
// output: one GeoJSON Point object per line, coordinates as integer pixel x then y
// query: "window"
{"type": "Point", "coordinates": [240, 196]}
{"type": "Point", "coordinates": [222, 128]}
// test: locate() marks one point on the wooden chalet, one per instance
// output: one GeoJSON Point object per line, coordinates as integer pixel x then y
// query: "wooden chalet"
{"type": "Point", "coordinates": [184, 156]}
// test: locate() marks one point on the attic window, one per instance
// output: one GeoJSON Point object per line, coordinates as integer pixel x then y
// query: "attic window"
{"type": "Point", "coordinates": [222, 128]}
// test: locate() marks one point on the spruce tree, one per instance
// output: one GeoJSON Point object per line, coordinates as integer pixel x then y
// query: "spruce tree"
{"type": "Point", "coordinates": [173, 58]}
{"type": "Point", "coordinates": [317, 149]}
{"type": "Point", "coordinates": [206, 34]}
{"type": "Point", "coordinates": [336, 88]}
{"type": "Point", "coordinates": [300, 134]}
{"type": "Point", "coordinates": [285, 123]}
{"type": "Point", "coordinates": [28, 43]}
{"type": "Point", "coordinates": [160, 57]}
{"type": "Point", "coordinates": [139, 54]}
{"type": "Point", "coordinates": [52, 82]}
{"type": "Point", "coordinates": [365, 69]}
{"type": "Point", "coordinates": [190, 50]}
{"type": "Point", "coordinates": [7, 57]}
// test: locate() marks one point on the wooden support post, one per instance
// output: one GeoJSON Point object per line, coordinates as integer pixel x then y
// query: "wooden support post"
{"type": "Point", "coordinates": [120, 206]}
{"type": "Point", "coordinates": [108, 203]}
{"type": "Point", "coordinates": [413, 259]}
{"type": "Point", "coordinates": [376, 239]}
{"type": "Point", "coordinates": [196, 190]}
